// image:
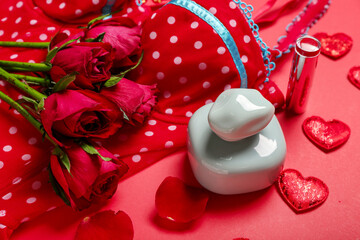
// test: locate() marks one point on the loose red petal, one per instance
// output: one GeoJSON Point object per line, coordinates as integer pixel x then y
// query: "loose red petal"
{"type": "Point", "coordinates": [334, 46]}
{"type": "Point", "coordinates": [326, 135]}
{"type": "Point", "coordinates": [354, 76]}
{"type": "Point", "coordinates": [179, 202]}
{"type": "Point", "coordinates": [301, 193]}
{"type": "Point", "coordinates": [106, 225]}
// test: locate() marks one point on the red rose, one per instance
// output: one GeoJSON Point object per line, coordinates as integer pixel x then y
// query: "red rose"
{"type": "Point", "coordinates": [136, 100]}
{"type": "Point", "coordinates": [80, 113]}
{"type": "Point", "coordinates": [123, 34]}
{"type": "Point", "coordinates": [90, 179]}
{"type": "Point", "coordinates": [91, 60]}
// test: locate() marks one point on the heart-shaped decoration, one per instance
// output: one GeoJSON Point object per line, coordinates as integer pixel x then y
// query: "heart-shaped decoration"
{"type": "Point", "coordinates": [326, 135]}
{"type": "Point", "coordinates": [334, 46]}
{"type": "Point", "coordinates": [301, 193]}
{"type": "Point", "coordinates": [354, 76]}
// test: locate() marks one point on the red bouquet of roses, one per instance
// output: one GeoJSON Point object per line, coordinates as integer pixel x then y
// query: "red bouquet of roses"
{"type": "Point", "coordinates": [78, 96]}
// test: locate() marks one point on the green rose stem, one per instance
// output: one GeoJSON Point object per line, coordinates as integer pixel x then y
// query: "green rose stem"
{"type": "Point", "coordinates": [22, 86]}
{"type": "Point", "coordinates": [31, 79]}
{"type": "Point", "coordinates": [24, 44]}
{"type": "Point", "coordinates": [26, 115]}
{"type": "Point", "coordinates": [32, 67]}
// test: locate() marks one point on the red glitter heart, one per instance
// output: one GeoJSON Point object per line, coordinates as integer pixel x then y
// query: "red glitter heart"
{"type": "Point", "coordinates": [354, 76]}
{"type": "Point", "coordinates": [334, 46]}
{"type": "Point", "coordinates": [326, 135]}
{"type": "Point", "coordinates": [301, 193]}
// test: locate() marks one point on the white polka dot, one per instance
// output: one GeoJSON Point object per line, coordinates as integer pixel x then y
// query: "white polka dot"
{"type": "Point", "coordinates": [171, 20]}
{"type": "Point", "coordinates": [14, 56]}
{"type": "Point", "coordinates": [168, 111]}
{"type": "Point", "coordinates": [153, 35]}
{"type": "Point", "coordinates": [67, 32]}
{"type": "Point", "coordinates": [261, 86]}
{"type": "Point", "coordinates": [153, 16]}
{"type": "Point", "coordinates": [246, 39]}
{"type": "Point", "coordinates": [11, 8]}
{"type": "Point", "coordinates": [206, 84]}
{"type": "Point", "coordinates": [149, 133]}
{"type": "Point", "coordinates": [233, 23]}
{"type": "Point", "coordinates": [141, 9]}
{"type": "Point", "coordinates": [13, 130]}
{"type": "Point", "coordinates": [160, 75]}
{"type": "Point", "coordinates": [172, 127]}
{"type": "Point", "coordinates": [31, 200]}
{"type": "Point", "coordinates": [95, 2]}
{"type": "Point", "coordinates": [51, 28]}
{"type": "Point", "coordinates": [186, 98]}
{"type": "Point", "coordinates": [48, 1]}
{"type": "Point", "coordinates": [78, 12]}
{"type": "Point", "coordinates": [1, 32]}
{"type": "Point", "coordinates": [19, 4]}
{"type": "Point", "coordinates": [244, 59]}
{"type": "Point", "coordinates": [2, 213]}
{"type": "Point", "coordinates": [116, 155]}
{"type": "Point", "coordinates": [16, 112]}
{"type": "Point", "coordinates": [167, 94]}
{"type": "Point", "coordinates": [169, 144]}
{"type": "Point", "coordinates": [202, 66]}
{"type": "Point", "coordinates": [2, 226]}
{"type": "Point", "coordinates": [26, 157]}
{"type": "Point", "coordinates": [16, 180]}
{"type": "Point", "coordinates": [221, 50]}
{"type": "Point", "coordinates": [36, 185]}
{"type": "Point", "coordinates": [7, 148]}
{"type": "Point", "coordinates": [156, 55]}
{"type": "Point", "coordinates": [177, 60]}
{"type": "Point", "coordinates": [32, 141]}
{"type": "Point", "coordinates": [4, 19]}
{"type": "Point", "coordinates": [1, 164]}
{"type": "Point", "coordinates": [259, 73]}
{"type": "Point", "coordinates": [227, 86]}
{"type": "Point", "coordinates": [62, 5]}
{"type": "Point", "coordinates": [198, 44]}
{"type": "Point", "coordinates": [152, 122]}
{"type": "Point", "coordinates": [188, 114]}
{"type": "Point", "coordinates": [14, 35]}
{"type": "Point", "coordinates": [129, 10]}
{"type": "Point", "coordinates": [136, 158]}
{"type": "Point", "coordinates": [7, 196]}
{"type": "Point", "coordinates": [213, 10]}
{"type": "Point", "coordinates": [232, 5]}
{"type": "Point", "coordinates": [182, 80]}
{"type": "Point", "coordinates": [43, 37]}
{"type": "Point", "coordinates": [208, 101]}
{"type": "Point", "coordinates": [194, 25]}
{"type": "Point", "coordinates": [50, 209]}
{"type": "Point", "coordinates": [28, 34]}
{"type": "Point", "coordinates": [225, 69]}
{"type": "Point", "coordinates": [144, 149]}
{"type": "Point", "coordinates": [18, 20]}
{"type": "Point", "coordinates": [173, 39]}
{"type": "Point", "coordinates": [272, 90]}
{"type": "Point", "coordinates": [19, 40]}
{"type": "Point", "coordinates": [25, 219]}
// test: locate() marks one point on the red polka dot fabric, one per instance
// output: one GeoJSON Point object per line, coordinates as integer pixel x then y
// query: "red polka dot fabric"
{"type": "Point", "coordinates": [183, 55]}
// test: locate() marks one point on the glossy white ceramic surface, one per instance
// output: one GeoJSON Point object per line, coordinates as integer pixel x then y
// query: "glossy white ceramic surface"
{"type": "Point", "coordinates": [239, 113]}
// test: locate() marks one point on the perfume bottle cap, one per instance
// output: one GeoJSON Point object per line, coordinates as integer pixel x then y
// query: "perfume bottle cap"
{"type": "Point", "coordinates": [308, 46]}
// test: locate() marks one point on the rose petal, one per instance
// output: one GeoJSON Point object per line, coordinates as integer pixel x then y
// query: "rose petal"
{"type": "Point", "coordinates": [179, 202]}
{"type": "Point", "coordinates": [105, 225]}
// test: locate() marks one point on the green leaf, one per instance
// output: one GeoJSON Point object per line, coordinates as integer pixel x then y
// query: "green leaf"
{"type": "Point", "coordinates": [63, 157]}
{"type": "Point", "coordinates": [97, 19]}
{"type": "Point", "coordinates": [125, 116]}
{"type": "Point", "coordinates": [29, 100]}
{"type": "Point", "coordinates": [116, 78]}
{"type": "Point", "coordinates": [64, 82]}
{"type": "Point", "coordinates": [51, 54]}
{"type": "Point", "coordinates": [113, 80]}
{"type": "Point", "coordinates": [99, 38]}
{"type": "Point", "coordinates": [92, 150]}
{"type": "Point", "coordinates": [57, 188]}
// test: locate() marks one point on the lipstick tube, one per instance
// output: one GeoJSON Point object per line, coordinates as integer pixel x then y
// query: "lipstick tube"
{"type": "Point", "coordinates": [304, 63]}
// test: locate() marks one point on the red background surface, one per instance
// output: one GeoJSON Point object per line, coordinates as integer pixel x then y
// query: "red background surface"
{"type": "Point", "coordinates": [263, 214]}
